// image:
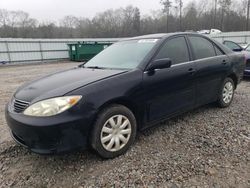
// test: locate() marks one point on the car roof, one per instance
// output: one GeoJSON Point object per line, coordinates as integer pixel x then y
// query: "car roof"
{"type": "Point", "coordinates": [166, 35]}
{"type": "Point", "coordinates": [162, 35]}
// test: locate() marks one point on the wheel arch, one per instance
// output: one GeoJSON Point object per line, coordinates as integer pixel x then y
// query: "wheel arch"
{"type": "Point", "coordinates": [234, 78]}
{"type": "Point", "coordinates": [125, 102]}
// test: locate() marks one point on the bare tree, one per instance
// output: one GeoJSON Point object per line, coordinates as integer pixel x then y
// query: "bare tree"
{"type": "Point", "coordinates": [167, 4]}
{"type": "Point", "coordinates": [4, 17]}
{"type": "Point", "coordinates": [215, 12]}
{"type": "Point", "coordinates": [137, 21]}
{"type": "Point", "coordinates": [247, 21]}
{"type": "Point", "coordinates": [180, 5]}
{"type": "Point", "coordinates": [48, 30]}
{"type": "Point", "coordinates": [69, 24]}
{"type": "Point", "coordinates": [69, 21]}
{"type": "Point", "coordinates": [225, 6]}
{"type": "Point", "coordinates": [131, 20]}
{"type": "Point", "coordinates": [191, 16]}
{"type": "Point", "coordinates": [125, 22]}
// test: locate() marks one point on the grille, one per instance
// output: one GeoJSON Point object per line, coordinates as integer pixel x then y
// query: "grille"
{"type": "Point", "coordinates": [19, 106]}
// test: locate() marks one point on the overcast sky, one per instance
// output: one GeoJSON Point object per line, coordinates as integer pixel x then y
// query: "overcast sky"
{"type": "Point", "coordinates": [46, 10]}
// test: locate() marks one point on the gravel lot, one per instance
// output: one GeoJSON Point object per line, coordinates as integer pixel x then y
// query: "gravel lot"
{"type": "Point", "coordinates": [207, 147]}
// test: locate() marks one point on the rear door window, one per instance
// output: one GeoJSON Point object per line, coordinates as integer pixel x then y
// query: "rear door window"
{"type": "Point", "coordinates": [176, 49]}
{"type": "Point", "coordinates": [202, 48]}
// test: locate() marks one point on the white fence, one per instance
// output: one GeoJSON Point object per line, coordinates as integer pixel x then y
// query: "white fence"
{"type": "Point", "coordinates": [238, 37]}
{"type": "Point", "coordinates": [37, 50]}
{"type": "Point", "coordinates": [25, 50]}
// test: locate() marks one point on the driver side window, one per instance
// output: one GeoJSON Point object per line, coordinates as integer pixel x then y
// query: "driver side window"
{"type": "Point", "coordinates": [175, 49]}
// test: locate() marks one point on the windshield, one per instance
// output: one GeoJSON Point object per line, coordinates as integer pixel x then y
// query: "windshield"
{"type": "Point", "coordinates": [122, 55]}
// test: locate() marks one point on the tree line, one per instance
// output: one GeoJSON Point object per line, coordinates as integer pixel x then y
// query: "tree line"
{"type": "Point", "coordinates": [226, 15]}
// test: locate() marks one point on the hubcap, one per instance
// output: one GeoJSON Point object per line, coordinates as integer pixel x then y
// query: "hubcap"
{"type": "Point", "coordinates": [228, 92]}
{"type": "Point", "coordinates": [115, 133]}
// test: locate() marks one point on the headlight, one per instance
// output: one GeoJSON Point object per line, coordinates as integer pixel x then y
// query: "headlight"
{"type": "Point", "coordinates": [51, 107]}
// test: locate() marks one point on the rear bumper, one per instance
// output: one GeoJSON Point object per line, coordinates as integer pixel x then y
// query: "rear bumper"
{"type": "Point", "coordinates": [49, 135]}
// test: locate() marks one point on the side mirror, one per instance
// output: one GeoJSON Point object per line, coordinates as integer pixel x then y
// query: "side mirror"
{"type": "Point", "coordinates": [160, 64]}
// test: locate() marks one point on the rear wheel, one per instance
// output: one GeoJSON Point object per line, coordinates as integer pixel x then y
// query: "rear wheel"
{"type": "Point", "coordinates": [114, 131]}
{"type": "Point", "coordinates": [226, 93]}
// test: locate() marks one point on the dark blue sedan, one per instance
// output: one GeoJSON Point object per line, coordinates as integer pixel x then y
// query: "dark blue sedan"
{"type": "Point", "coordinates": [130, 86]}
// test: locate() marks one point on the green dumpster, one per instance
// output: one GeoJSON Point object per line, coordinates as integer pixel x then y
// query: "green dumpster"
{"type": "Point", "coordinates": [72, 52]}
{"type": "Point", "coordinates": [84, 51]}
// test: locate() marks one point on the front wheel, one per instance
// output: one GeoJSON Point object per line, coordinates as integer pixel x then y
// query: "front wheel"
{"type": "Point", "coordinates": [226, 93]}
{"type": "Point", "coordinates": [114, 131]}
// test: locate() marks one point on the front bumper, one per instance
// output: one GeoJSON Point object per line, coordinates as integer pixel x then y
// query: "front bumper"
{"type": "Point", "coordinates": [61, 133]}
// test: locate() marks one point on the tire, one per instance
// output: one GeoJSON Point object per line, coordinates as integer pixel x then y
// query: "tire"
{"type": "Point", "coordinates": [111, 123]}
{"type": "Point", "coordinates": [227, 90]}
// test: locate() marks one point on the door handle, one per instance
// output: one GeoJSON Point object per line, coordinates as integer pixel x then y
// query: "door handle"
{"type": "Point", "coordinates": [191, 71]}
{"type": "Point", "coordinates": [224, 62]}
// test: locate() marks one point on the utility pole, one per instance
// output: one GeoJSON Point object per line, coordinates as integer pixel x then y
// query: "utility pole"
{"type": "Point", "coordinates": [248, 5]}
{"type": "Point", "coordinates": [176, 15]}
{"type": "Point", "coordinates": [181, 5]}
{"type": "Point", "coordinates": [215, 12]}
{"type": "Point", "coordinates": [167, 5]}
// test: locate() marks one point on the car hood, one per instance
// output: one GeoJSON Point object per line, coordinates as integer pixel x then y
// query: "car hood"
{"type": "Point", "coordinates": [61, 83]}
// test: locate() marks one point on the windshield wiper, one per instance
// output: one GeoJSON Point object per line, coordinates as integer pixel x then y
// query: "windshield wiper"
{"type": "Point", "coordinates": [82, 65]}
{"type": "Point", "coordinates": [94, 67]}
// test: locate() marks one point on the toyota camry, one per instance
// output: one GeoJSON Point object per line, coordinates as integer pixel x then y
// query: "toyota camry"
{"type": "Point", "coordinates": [130, 86]}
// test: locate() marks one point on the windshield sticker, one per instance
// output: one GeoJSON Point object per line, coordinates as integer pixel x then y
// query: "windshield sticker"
{"type": "Point", "coordinates": [148, 41]}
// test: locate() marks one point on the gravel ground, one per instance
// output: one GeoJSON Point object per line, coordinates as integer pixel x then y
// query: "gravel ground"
{"type": "Point", "coordinates": [207, 147]}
